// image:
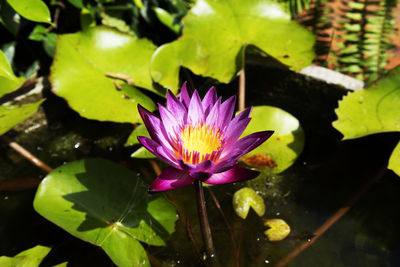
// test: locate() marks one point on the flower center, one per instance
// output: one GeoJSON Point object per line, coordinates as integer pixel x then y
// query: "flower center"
{"type": "Point", "coordinates": [200, 143]}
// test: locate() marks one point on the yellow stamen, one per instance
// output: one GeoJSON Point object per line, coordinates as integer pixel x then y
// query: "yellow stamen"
{"type": "Point", "coordinates": [199, 142]}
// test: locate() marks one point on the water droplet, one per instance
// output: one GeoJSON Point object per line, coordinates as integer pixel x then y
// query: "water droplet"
{"type": "Point", "coordinates": [278, 213]}
{"type": "Point", "coordinates": [258, 239]}
{"type": "Point", "coordinates": [178, 261]}
{"type": "Point", "coordinates": [77, 145]}
{"type": "Point", "coordinates": [6, 197]}
{"type": "Point", "coordinates": [266, 261]}
{"type": "Point", "coordinates": [212, 255]}
{"type": "Point", "coordinates": [309, 239]}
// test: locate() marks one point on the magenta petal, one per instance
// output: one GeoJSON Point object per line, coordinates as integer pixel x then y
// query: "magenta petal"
{"type": "Point", "coordinates": [235, 174]}
{"type": "Point", "coordinates": [154, 127]}
{"type": "Point", "coordinates": [185, 95]}
{"type": "Point", "coordinates": [170, 121]}
{"type": "Point", "coordinates": [171, 178]}
{"type": "Point", "coordinates": [176, 107]}
{"type": "Point", "coordinates": [226, 112]}
{"type": "Point", "coordinates": [212, 116]}
{"type": "Point", "coordinates": [195, 111]}
{"type": "Point", "coordinates": [248, 143]}
{"type": "Point", "coordinates": [235, 130]}
{"type": "Point", "coordinates": [209, 99]}
{"type": "Point", "coordinates": [156, 148]}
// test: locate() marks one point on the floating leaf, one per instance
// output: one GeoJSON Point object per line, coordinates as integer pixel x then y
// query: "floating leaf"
{"type": "Point", "coordinates": [375, 109]}
{"type": "Point", "coordinates": [84, 63]}
{"type": "Point", "coordinates": [278, 231]}
{"type": "Point", "coordinates": [245, 198]}
{"type": "Point", "coordinates": [138, 131]}
{"type": "Point", "coordinates": [35, 10]}
{"type": "Point", "coordinates": [394, 161]}
{"type": "Point", "coordinates": [143, 153]}
{"type": "Point", "coordinates": [167, 19]}
{"type": "Point", "coordinates": [216, 34]}
{"type": "Point", "coordinates": [28, 258]}
{"type": "Point", "coordinates": [107, 205]}
{"type": "Point", "coordinates": [13, 114]}
{"type": "Point", "coordinates": [283, 147]}
{"type": "Point", "coordinates": [8, 81]}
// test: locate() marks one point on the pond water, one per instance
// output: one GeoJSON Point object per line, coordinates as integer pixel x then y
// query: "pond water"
{"type": "Point", "coordinates": [328, 173]}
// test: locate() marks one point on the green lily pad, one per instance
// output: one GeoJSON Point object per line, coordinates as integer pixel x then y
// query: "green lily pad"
{"type": "Point", "coordinates": [35, 10]}
{"type": "Point", "coordinates": [215, 36]}
{"type": "Point", "coordinates": [394, 161]}
{"type": "Point", "coordinates": [13, 114]}
{"type": "Point", "coordinates": [84, 64]}
{"type": "Point", "coordinates": [107, 205]}
{"type": "Point", "coordinates": [375, 109]}
{"type": "Point", "coordinates": [283, 147]}
{"type": "Point", "coordinates": [28, 258]}
{"type": "Point", "coordinates": [278, 229]}
{"type": "Point", "coordinates": [8, 81]}
{"type": "Point", "coordinates": [246, 198]}
{"type": "Point", "coordinates": [140, 130]}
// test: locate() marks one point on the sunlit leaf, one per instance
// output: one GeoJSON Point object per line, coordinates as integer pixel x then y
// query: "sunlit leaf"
{"type": "Point", "coordinates": [394, 161]}
{"type": "Point", "coordinates": [12, 115]}
{"type": "Point", "coordinates": [138, 131]}
{"type": "Point", "coordinates": [283, 147]}
{"type": "Point", "coordinates": [107, 205]}
{"type": "Point", "coordinates": [28, 258]}
{"type": "Point", "coordinates": [246, 198]}
{"type": "Point", "coordinates": [375, 109]}
{"type": "Point", "coordinates": [35, 10]}
{"type": "Point", "coordinates": [8, 81]}
{"type": "Point", "coordinates": [216, 33]}
{"type": "Point", "coordinates": [142, 153]}
{"type": "Point", "coordinates": [84, 64]}
{"type": "Point", "coordinates": [167, 19]}
{"type": "Point", "coordinates": [278, 230]}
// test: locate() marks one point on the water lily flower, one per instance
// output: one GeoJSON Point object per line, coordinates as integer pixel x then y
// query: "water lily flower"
{"type": "Point", "coordinates": [199, 139]}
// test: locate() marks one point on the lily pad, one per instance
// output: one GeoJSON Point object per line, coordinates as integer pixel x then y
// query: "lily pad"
{"type": "Point", "coordinates": [283, 147]}
{"type": "Point", "coordinates": [215, 36]}
{"type": "Point", "coordinates": [394, 161]}
{"type": "Point", "coordinates": [28, 258]}
{"type": "Point", "coordinates": [8, 81]}
{"type": "Point", "coordinates": [245, 198]}
{"type": "Point", "coordinates": [107, 205]}
{"type": "Point", "coordinates": [12, 115]}
{"type": "Point", "coordinates": [375, 109]}
{"type": "Point", "coordinates": [35, 10]}
{"type": "Point", "coordinates": [87, 66]}
{"type": "Point", "coordinates": [278, 230]}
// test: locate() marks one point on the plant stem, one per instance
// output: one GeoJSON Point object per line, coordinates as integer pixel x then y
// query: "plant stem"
{"type": "Point", "coordinates": [242, 89]}
{"type": "Point", "coordinates": [334, 218]}
{"type": "Point", "coordinates": [205, 226]}
{"type": "Point", "coordinates": [26, 154]}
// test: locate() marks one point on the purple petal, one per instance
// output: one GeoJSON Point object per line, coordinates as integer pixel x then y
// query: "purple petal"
{"type": "Point", "coordinates": [234, 131]}
{"type": "Point", "coordinates": [171, 178]}
{"type": "Point", "coordinates": [212, 116]}
{"type": "Point", "coordinates": [170, 122]}
{"type": "Point", "coordinates": [203, 166]}
{"type": "Point", "coordinates": [157, 150]}
{"type": "Point", "coordinates": [209, 99]}
{"type": "Point", "coordinates": [246, 144]}
{"type": "Point", "coordinates": [235, 174]}
{"type": "Point", "coordinates": [226, 112]}
{"type": "Point", "coordinates": [185, 95]}
{"type": "Point", "coordinates": [195, 111]}
{"type": "Point", "coordinates": [176, 107]}
{"type": "Point", "coordinates": [154, 127]}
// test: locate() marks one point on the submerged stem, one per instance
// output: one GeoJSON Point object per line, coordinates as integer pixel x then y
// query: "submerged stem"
{"type": "Point", "coordinates": [205, 226]}
{"type": "Point", "coordinates": [26, 154]}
